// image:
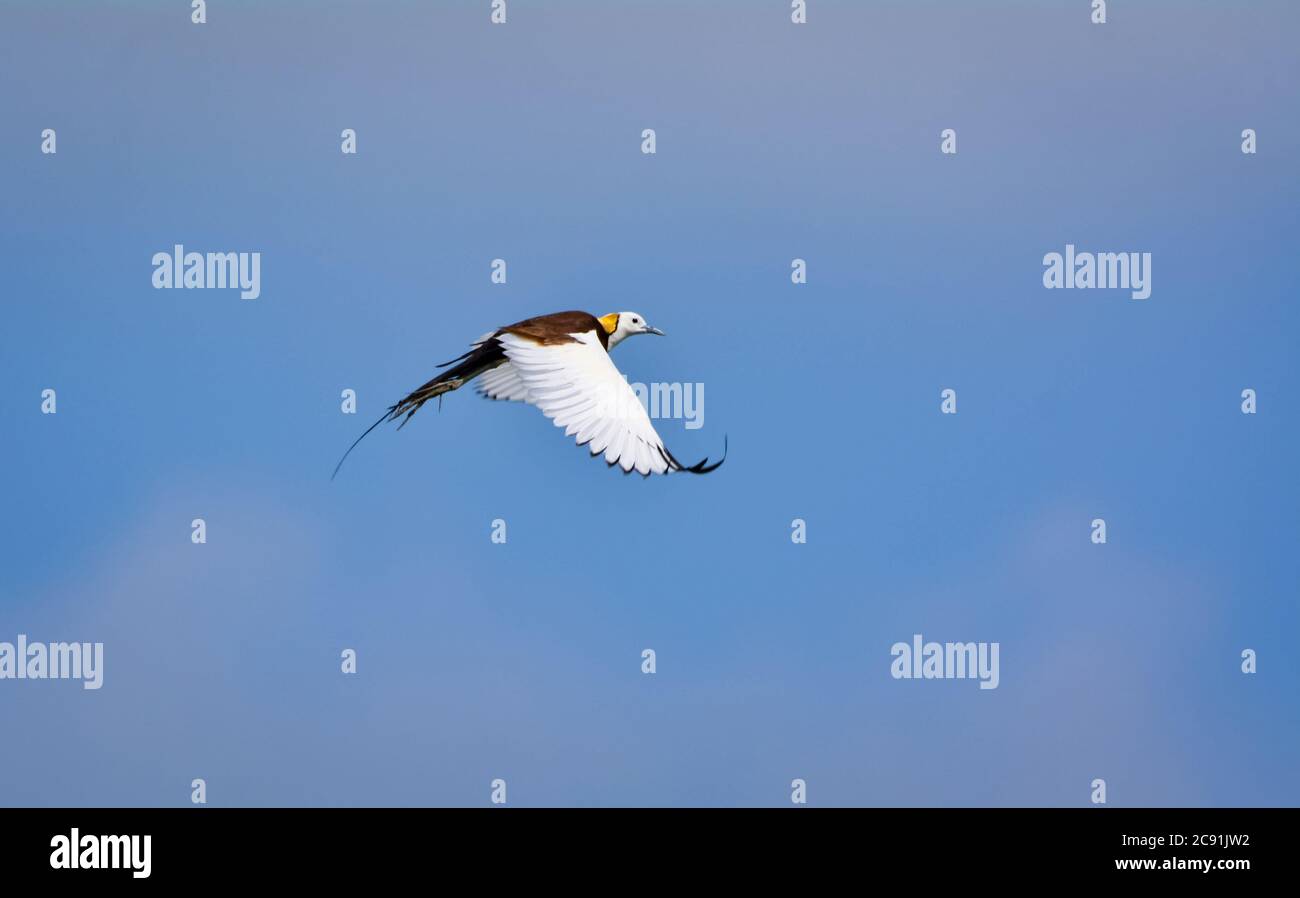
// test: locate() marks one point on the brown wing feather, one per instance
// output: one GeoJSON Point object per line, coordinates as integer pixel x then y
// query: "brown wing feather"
{"type": "Point", "coordinates": [555, 328]}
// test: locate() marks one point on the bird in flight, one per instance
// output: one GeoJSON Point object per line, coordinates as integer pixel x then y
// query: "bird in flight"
{"type": "Point", "coordinates": [560, 363]}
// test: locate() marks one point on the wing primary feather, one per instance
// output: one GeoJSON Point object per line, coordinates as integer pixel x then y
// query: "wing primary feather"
{"type": "Point", "coordinates": [700, 467]}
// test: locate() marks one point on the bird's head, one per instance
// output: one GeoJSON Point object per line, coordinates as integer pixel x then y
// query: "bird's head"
{"type": "Point", "coordinates": [621, 325]}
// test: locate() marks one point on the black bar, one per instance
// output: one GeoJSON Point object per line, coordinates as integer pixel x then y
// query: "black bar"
{"type": "Point", "coordinates": [216, 846]}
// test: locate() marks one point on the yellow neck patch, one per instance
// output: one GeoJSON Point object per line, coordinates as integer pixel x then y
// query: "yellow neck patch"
{"type": "Point", "coordinates": [609, 322]}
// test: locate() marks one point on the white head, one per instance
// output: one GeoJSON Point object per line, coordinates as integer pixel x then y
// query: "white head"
{"type": "Point", "coordinates": [621, 325]}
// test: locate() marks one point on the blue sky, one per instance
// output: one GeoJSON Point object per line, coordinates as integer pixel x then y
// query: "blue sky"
{"type": "Point", "coordinates": [522, 661]}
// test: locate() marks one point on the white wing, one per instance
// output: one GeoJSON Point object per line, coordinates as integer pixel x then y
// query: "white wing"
{"type": "Point", "coordinates": [577, 386]}
{"type": "Point", "coordinates": [502, 382]}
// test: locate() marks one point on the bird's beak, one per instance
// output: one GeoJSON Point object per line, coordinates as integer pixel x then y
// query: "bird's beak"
{"type": "Point", "coordinates": [654, 330]}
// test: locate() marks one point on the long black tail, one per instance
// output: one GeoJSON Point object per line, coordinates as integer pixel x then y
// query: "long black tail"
{"type": "Point", "coordinates": [487, 354]}
{"type": "Point", "coordinates": [358, 440]}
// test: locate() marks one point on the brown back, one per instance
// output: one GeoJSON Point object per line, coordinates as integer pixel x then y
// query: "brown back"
{"type": "Point", "coordinates": [555, 328]}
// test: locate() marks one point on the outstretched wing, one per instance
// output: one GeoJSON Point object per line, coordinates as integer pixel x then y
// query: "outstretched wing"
{"type": "Point", "coordinates": [576, 385]}
{"type": "Point", "coordinates": [502, 382]}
